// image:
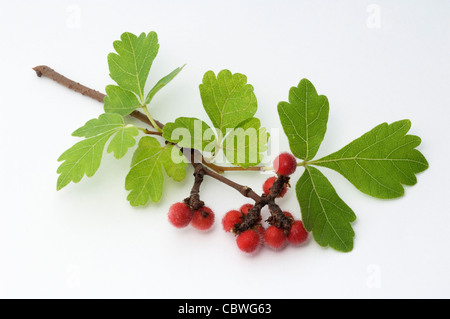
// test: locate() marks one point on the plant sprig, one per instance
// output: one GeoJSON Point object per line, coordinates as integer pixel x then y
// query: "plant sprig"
{"type": "Point", "coordinates": [378, 163]}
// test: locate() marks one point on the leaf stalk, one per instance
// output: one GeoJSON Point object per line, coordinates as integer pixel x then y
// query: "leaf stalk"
{"type": "Point", "coordinates": [150, 118]}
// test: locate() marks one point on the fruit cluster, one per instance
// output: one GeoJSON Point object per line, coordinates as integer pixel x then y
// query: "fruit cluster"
{"type": "Point", "coordinates": [246, 223]}
{"type": "Point", "coordinates": [273, 237]}
{"type": "Point", "coordinates": [181, 215]}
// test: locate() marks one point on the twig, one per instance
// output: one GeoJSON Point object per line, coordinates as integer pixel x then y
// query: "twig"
{"type": "Point", "coordinates": [43, 70]}
{"type": "Point", "coordinates": [277, 217]}
{"type": "Point", "coordinates": [193, 201]}
{"type": "Point", "coordinates": [244, 190]}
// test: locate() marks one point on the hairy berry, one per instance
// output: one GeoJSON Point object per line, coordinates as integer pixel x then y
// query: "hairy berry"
{"type": "Point", "coordinates": [285, 164]}
{"type": "Point", "coordinates": [230, 219]}
{"type": "Point", "coordinates": [248, 241]}
{"type": "Point", "coordinates": [268, 185]}
{"type": "Point", "coordinates": [180, 215]}
{"type": "Point", "coordinates": [298, 233]}
{"type": "Point", "coordinates": [274, 237]}
{"type": "Point", "coordinates": [260, 230]}
{"type": "Point", "coordinates": [288, 215]}
{"type": "Point", "coordinates": [245, 208]}
{"type": "Point", "coordinates": [203, 218]}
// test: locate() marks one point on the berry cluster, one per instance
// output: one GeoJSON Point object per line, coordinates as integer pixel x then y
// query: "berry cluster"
{"type": "Point", "coordinates": [181, 215]}
{"type": "Point", "coordinates": [283, 228]}
{"type": "Point", "coordinates": [248, 240]}
{"type": "Point", "coordinates": [273, 237]}
{"type": "Point", "coordinates": [246, 223]}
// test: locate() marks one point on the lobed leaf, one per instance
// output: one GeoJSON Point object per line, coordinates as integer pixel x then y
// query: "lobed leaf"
{"type": "Point", "coordinates": [174, 163]}
{"type": "Point", "coordinates": [81, 159]}
{"type": "Point", "coordinates": [190, 132]}
{"type": "Point", "coordinates": [145, 179]}
{"type": "Point", "coordinates": [105, 123]}
{"type": "Point", "coordinates": [381, 161]}
{"type": "Point", "coordinates": [304, 119]}
{"type": "Point", "coordinates": [120, 101]}
{"type": "Point", "coordinates": [324, 212]}
{"type": "Point", "coordinates": [130, 67]}
{"type": "Point", "coordinates": [122, 140]}
{"type": "Point", "coordinates": [84, 157]}
{"type": "Point", "coordinates": [244, 145]}
{"type": "Point", "coordinates": [228, 99]}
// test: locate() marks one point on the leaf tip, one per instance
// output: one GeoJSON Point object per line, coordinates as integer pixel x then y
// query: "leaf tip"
{"type": "Point", "coordinates": [60, 184]}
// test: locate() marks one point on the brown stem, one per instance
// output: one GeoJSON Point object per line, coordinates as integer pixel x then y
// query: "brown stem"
{"type": "Point", "coordinates": [244, 190]}
{"type": "Point", "coordinates": [193, 201]}
{"type": "Point", "coordinates": [43, 70]}
{"type": "Point", "coordinates": [277, 218]}
{"type": "Point", "coordinates": [253, 217]}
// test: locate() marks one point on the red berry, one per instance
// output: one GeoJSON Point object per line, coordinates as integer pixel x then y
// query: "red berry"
{"type": "Point", "coordinates": [180, 215]}
{"type": "Point", "coordinates": [203, 218]}
{"type": "Point", "coordinates": [248, 241]}
{"type": "Point", "coordinates": [230, 219]}
{"type": "Point", "coordinates": [289, 215]}
{"type": "Point", "coordinates": [268, 185]}
{"type": "Point", "coordinates": [285, 164]}
{"type": "Point", "coordinates": [274, 237]}
{"type": "Point", "coordinates": [260, 230]}
{"type": "Point", "coordinates": [298, 233]}
{"type": "Point", "coordinates": [245, 208]}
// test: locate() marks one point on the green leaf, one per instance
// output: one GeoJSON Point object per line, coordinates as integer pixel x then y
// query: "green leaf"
{"type": "Point", "coordinates": [304, 119]}
{"type": "Point", "coordinates": [81, 159]}
{"type": "Point", "coordinates": [231, 104]}
{"type": "Point", "coordinates": [380, 161]}
{"type": "Point", "coordinates": [107, 122]}
{"type": "Point", "coordinates": [84, 157]}
{"type": "Point", "coordinates": [120, 101]}
{"type": "Point", "coordinates": [122, 140]}
{"type": "Point", "coordinates": [162, 83]}
{"type": "Point", "coordinates": [324, 212]}
{"type": "Point", "coordinates": [174, 163]}
{"type": "Point", "coordinates": [245, 144]}
{"type": "Point", "coordinates": [190, 132]}
{"type": "Point", "coordinates": [145, 179]}
{"type": "Point", "coordinates": [228, 99]}
{"type": "Point", "coordinates": [131, 65]}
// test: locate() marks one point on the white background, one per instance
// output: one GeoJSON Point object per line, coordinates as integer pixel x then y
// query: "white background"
{"type": "Point", "coordinates": [376, 61]}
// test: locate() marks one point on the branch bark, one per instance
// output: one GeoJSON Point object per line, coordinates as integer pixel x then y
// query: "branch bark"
{"type": "Point", "coordinates": [45, 71]}
{"type": "Point", "coordinates": [193, 201]}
